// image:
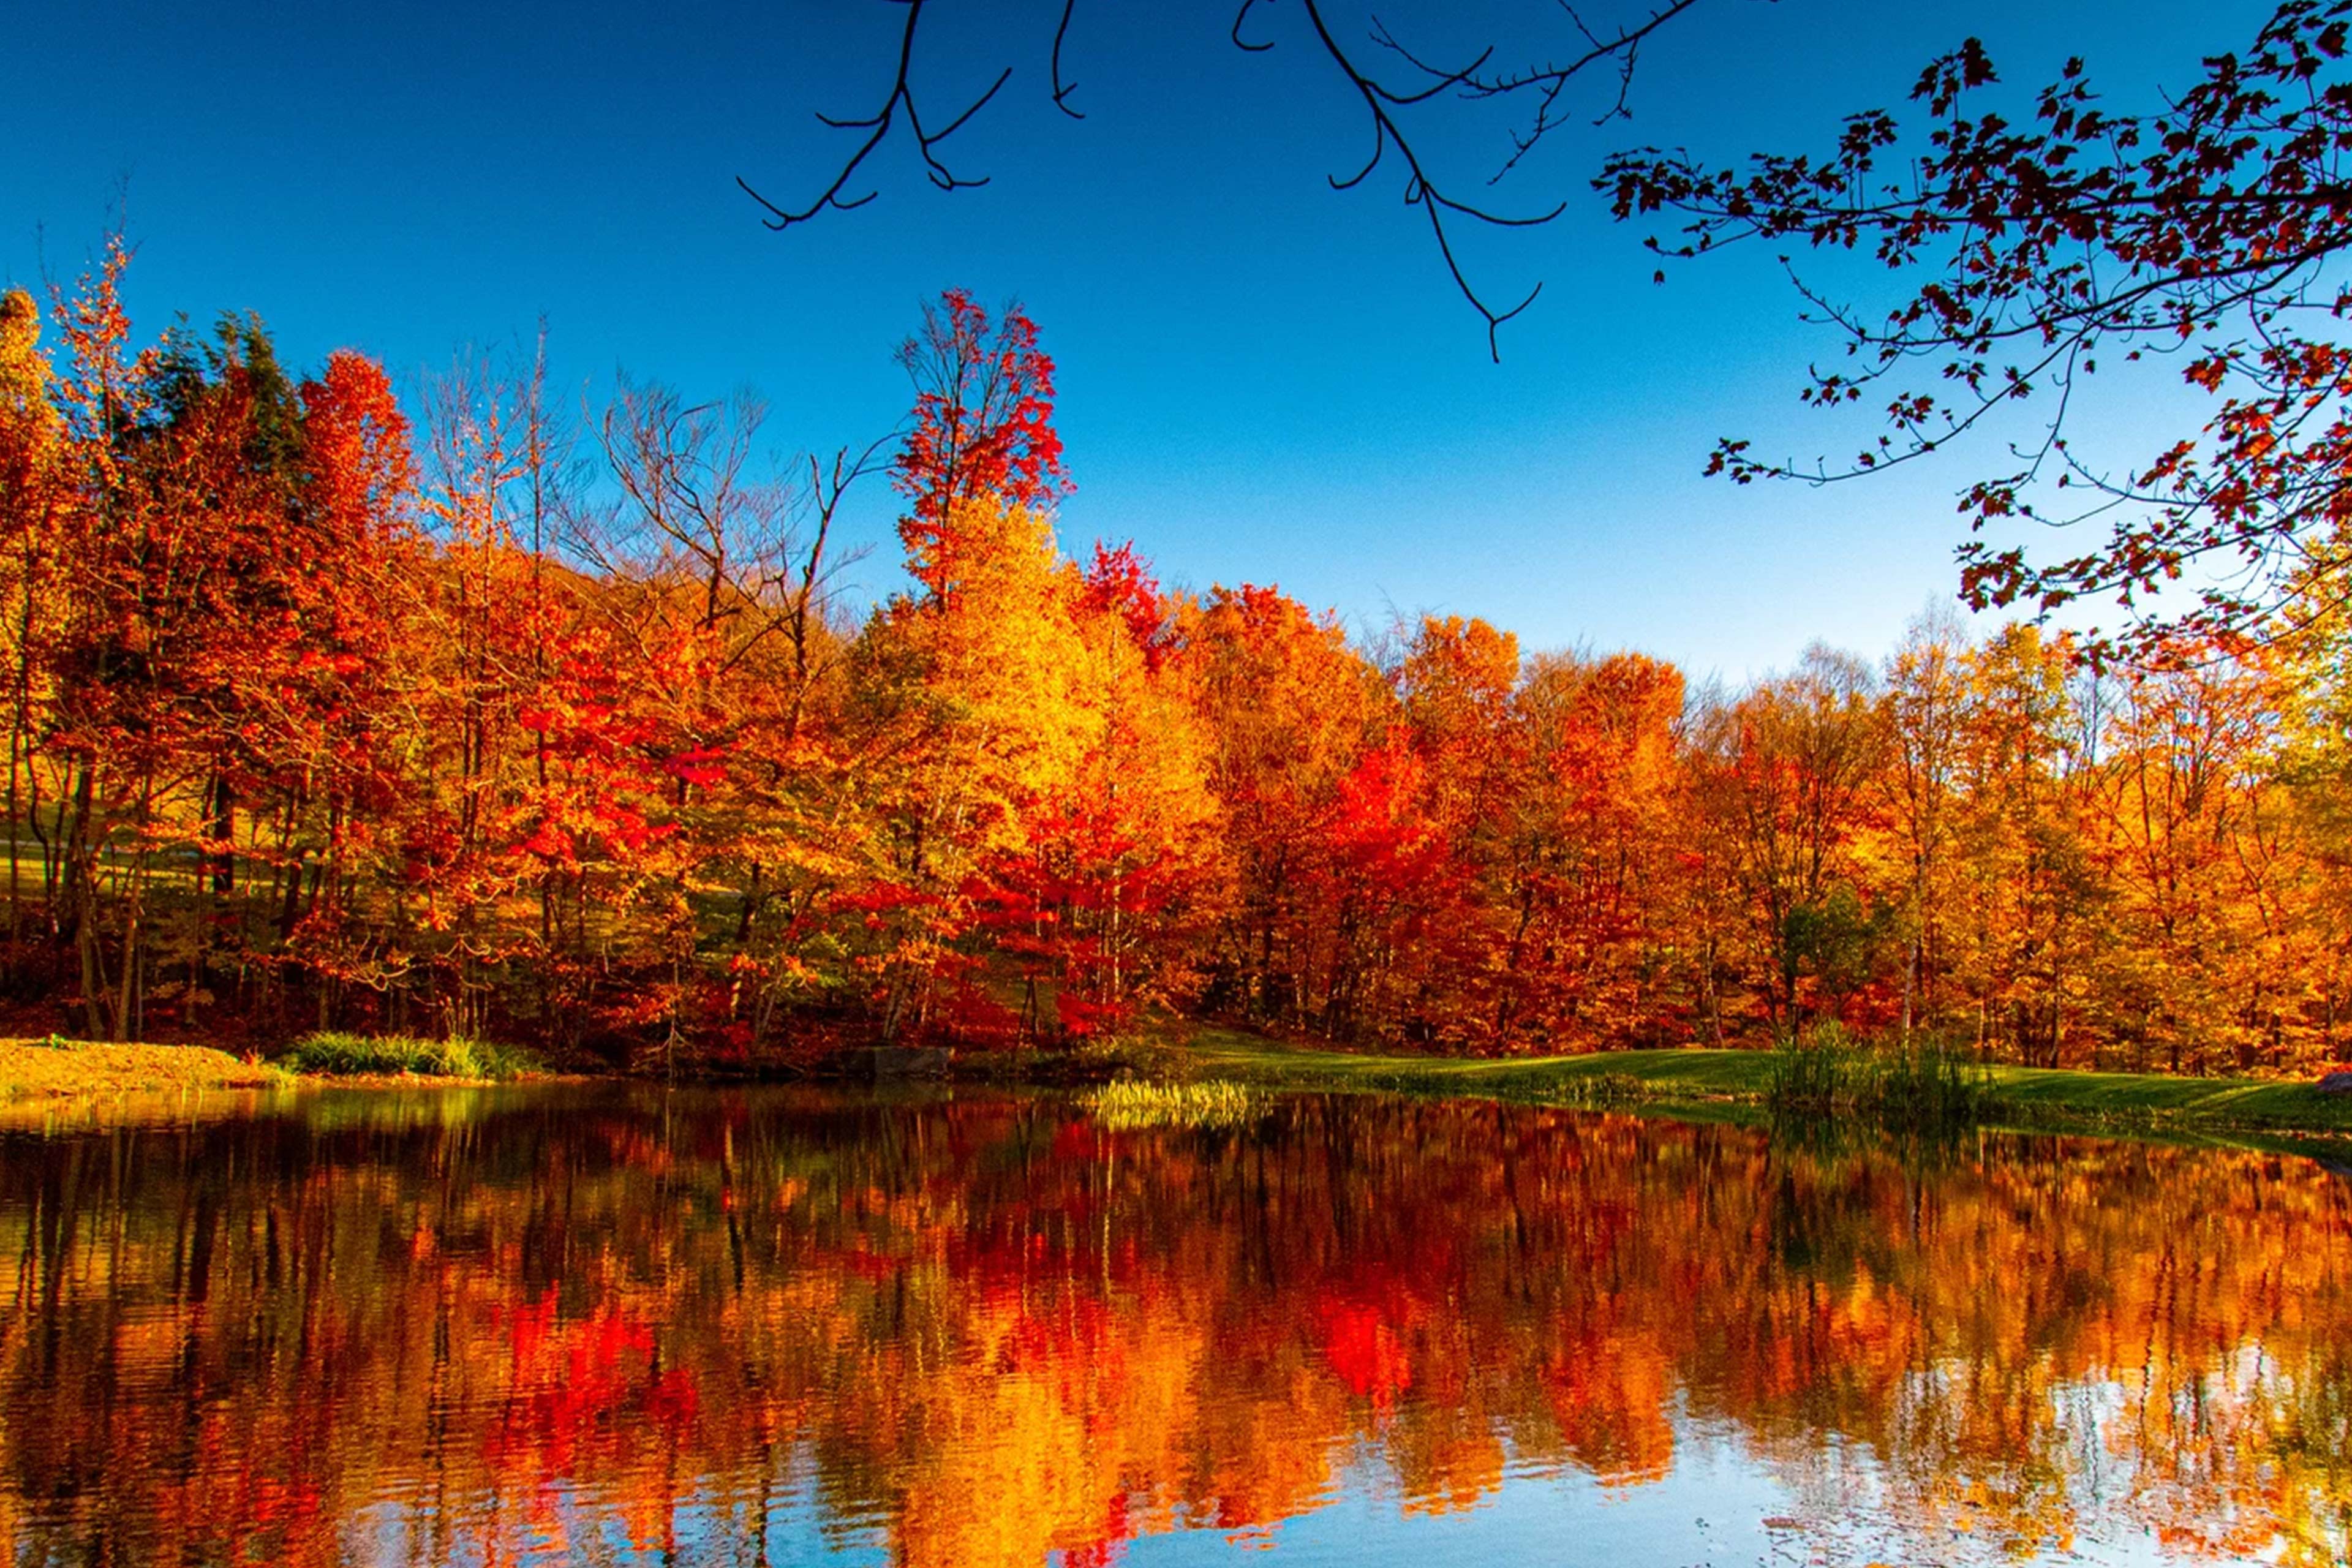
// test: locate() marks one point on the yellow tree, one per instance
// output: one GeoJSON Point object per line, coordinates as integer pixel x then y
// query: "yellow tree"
{"type": "Point", "coordinates": [1126, 861]}
{"type": "Point", "coordinates": [2028, 898]}
{"type": "Point", "coordinates": [974, 688]}
{"type": "Point", "coordinates": [2196, 841]}
{"type": "Point", "coordinates": [2315, 765]}
{"type": "Point", "coordinates": [1926, 700]}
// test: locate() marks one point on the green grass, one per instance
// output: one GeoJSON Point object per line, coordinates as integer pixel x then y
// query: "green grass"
{"type": "Point", "coordinates": [336, 1055]}
{"type": "Point", "coordinates": [2153, 1099]}
{"type": "Point", "coordinates": [1692, 1074]}
{"type": "Point", "coordinates": [1695, 1078]}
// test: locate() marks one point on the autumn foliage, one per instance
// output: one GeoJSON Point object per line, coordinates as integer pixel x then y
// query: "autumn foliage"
{"type": "Point", "coordinates": [324, 711]}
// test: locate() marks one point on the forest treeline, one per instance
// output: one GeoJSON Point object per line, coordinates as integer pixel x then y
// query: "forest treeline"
{"type": "Point", "coordinates": [503, 722]}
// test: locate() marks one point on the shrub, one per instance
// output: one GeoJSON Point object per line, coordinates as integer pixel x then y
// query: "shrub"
{"type": "Point", "coordinates": [1931, 1083]}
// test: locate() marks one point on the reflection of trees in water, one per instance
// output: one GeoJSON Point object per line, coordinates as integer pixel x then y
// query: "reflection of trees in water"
{"type": "Point", "coordinates": [994, 1329]}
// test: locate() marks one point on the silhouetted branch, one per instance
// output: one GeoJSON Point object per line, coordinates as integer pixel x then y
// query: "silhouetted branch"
{"type": "Point", "coordinates": [1243, 16]}
{"type": "Point", "coordinates": [1546, 86]}
{"type": "Point", "coordinates": [1062, 90]}
{"type": "Point", "coordinates": [1420, 190]}
{"type": "Point", "coordinates": [2029, 250]}
{"type": "Point", "coordinates": [878, 126]}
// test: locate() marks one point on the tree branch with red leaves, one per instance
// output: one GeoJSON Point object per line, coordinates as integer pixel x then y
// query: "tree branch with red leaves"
{"type": "Point", "coordinates": [2213, 231]}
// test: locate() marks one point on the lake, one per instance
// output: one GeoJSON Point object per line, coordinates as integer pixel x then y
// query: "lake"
{"type": "Point", "coordinates": [605, 1325]}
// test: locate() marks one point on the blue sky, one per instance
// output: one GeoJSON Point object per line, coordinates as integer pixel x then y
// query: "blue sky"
{"type": "Point", "coordinates": [1260, 380]}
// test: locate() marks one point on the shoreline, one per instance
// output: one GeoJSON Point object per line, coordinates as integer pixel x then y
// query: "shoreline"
{"type": "Point", "coordinates": [35, 1071]}
{"type": "Point", "coordinates": [1708, 1083]}
{"type": "Point", "coordinates": [1704, 1079]}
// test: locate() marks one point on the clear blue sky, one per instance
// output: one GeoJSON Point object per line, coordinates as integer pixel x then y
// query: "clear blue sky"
{"type": "Point", "coordinates": [1261, 380]}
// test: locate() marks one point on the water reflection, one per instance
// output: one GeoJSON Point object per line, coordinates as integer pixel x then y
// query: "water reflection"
{"type": "Point", "coordinates": [611, 1326]}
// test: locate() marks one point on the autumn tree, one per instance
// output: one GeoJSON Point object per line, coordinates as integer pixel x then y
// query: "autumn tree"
{"type": "Point", "coordinates": [1120, 871]}
{"type": "Point", "coordinates": [1926, 714]}
{"type": "Point", "coordinates": [1289, 708]}
{"type": "Point", "coordinates": [1592, 878]}
{"type": "Point", "coordinates": [2025, 921]}
{"type": "Point", "coordinates": [2314, 758]}
{"type": "Point", "coordinates": [494, 623]}
{"type": "Point", "coordinates": [2198, 849]}
{"type": "Point", "coordinates": [35, 491]}
{"type": "Point", "coordinates": [1786, 774]}
{"type": "Point", "coordinates": [982, 431]}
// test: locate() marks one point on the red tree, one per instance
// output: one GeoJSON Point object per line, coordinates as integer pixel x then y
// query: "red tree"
{"type": "Point", "coordinates": [984, 426]}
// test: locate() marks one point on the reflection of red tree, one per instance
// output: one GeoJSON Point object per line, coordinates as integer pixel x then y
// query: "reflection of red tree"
{"type": "Point", "coordinates": [574, 1383]}
{"type": "Point", "coordinates": [1366, 1342]}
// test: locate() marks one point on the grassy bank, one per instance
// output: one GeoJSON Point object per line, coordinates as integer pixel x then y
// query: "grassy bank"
{"type": "Point", "coordinates": [59, 1067]}
{"type": "Point", "coordinates": [2033, 1098]}
{"type": "Point", "coordinates": [56, 1067]}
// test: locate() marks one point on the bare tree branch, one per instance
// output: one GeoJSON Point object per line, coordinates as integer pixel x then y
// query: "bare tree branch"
{"type": "Point", "coordinates": [878, 125]}
{"type": "Point", "coordinates": [1546, 88]}
{"type": "Point", "coordinates": [1243, 16]}
{"type": "Point", "coordinates": [1062, 90]}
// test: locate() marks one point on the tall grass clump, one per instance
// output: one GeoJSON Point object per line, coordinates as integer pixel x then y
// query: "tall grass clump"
{"type": "Point", "coordinates": [334, 1054]}
{"type": "Point", "coordinates": [1131, 1105]}
{"type": "Point", "coordinates": [1827, 1071]}
{"type": "Point", "coordinates": [1931, 1082]}
{"type": "Point", "coordinates": [1814, 1073]}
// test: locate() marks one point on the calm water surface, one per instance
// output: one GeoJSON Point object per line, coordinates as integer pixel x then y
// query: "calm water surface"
{"type": "Point", "coordinates": [610, 1326]}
